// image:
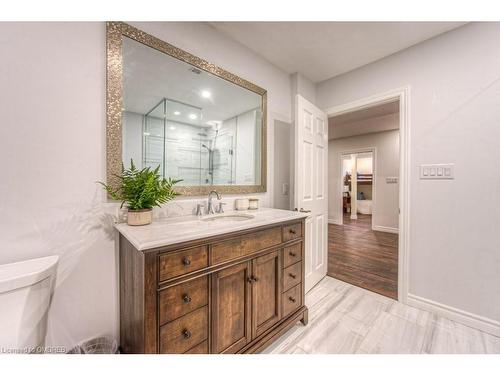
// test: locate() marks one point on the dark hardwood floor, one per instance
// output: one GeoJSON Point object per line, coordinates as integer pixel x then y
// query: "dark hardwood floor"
{"type": "Point", "coordinates": [363, 257]}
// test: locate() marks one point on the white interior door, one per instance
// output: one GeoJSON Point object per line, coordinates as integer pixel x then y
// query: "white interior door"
{"type": "Point", "coordinates": [311, 182]}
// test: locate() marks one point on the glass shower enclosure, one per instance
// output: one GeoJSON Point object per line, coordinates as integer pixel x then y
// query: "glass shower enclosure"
{"type": "Point", "coordinates": [176, 139]}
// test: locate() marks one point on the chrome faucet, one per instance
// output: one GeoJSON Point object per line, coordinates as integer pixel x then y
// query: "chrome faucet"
{"type": "Point", "coordinates": [210, 208]}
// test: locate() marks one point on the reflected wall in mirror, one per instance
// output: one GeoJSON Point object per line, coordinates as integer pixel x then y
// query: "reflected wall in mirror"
{"type": "Point", "coordinates": [195, 121]}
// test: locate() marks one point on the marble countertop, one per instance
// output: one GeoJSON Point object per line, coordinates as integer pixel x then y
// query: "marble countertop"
{"type": "Point", "coordinates": [186, 228]}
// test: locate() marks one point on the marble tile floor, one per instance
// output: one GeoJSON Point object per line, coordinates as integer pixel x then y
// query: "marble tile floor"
{"type": "Point", "coordinates": [345, 319]}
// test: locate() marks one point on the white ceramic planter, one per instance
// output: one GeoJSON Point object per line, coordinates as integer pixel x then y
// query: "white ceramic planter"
{"type": "Point", "coordinates": [140, 217]}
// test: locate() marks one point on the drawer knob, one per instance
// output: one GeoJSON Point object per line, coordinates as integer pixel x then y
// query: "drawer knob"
{"type": "Point", "coordinates": [186, 261]}
{"type": "Point", "coordinates": [292, 231]}
{"type": "Point", "coordinates": [252, 279]}
{"type": "Point", "coordinates": [186, 298]}
{"type": "Point", "coordinates": [292, 299]}
{"type": "Point", "coordinates": [292, 275]}
{"type": "Point", "coordinates": [292, 254]}
{"type": "Point", "coordinates": [186, 334]}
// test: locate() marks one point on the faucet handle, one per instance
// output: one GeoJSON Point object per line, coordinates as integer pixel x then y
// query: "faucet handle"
{"type": "Point", "coordinates": [199, 209]}
{"type": "Point", "coordinates": [220, 210]}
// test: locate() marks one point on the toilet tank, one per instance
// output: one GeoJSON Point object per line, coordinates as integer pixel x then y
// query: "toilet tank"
{"type": "Point", "coordinates": [25, 292]}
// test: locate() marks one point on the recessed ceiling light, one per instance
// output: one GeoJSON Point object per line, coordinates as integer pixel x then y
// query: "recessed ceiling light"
{"type": "Point", "coordinates": [177, 113]}
{"type": "Point", "coordinates": [192, 116]}
{"type": "Point", "coordinates": [172, 128]}
{"type": "Point", "coordinates": [206, 94]}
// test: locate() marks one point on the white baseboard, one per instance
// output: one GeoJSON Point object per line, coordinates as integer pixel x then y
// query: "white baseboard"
{"type": "Point", "coordinates": [334, 221]}
{"type": "Point", "coordinates": [381, 228]}
{"type": "Point", "coordinates": [469, 319]}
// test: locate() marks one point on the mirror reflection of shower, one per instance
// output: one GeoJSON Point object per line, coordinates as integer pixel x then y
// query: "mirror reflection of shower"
{"type": "Point", "coordinates": [177, 138]}
{"type": "Point", "coordinates": [211, 151]}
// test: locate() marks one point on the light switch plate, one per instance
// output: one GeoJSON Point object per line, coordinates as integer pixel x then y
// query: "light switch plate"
{"type": "Point", "coordinates": [391, 180]}
{"type": "Point", "coordinates": [437, 171]}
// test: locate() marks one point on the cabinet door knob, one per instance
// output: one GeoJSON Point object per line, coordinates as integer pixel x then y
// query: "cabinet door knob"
{"type": "Point", "coordinates": [292, 254]}
{"type": "Point", "coordinates": [292, 299]}
{"type": "Point", "coordinates": [186, 298]}
{"type": "Point", "coordinates": [186, 261]}
{"type": "Point", "coordinates": [186, 334]}
{"type": "Point", "coordinates": [255, 279]}
{"type": "Point", "coordinates": [292, 275]}
{"type": "Point", "coordinates": [292, 231]}
{"type": "Point", "coordinates": [250, 280]}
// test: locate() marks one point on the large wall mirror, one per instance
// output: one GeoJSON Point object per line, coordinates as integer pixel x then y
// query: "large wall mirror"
{"type": "Point", "coordinates": [196, 121]}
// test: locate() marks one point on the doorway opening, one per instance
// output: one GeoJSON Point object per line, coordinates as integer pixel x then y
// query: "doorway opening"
{"type": "Point", "coordinates": [363, 176]}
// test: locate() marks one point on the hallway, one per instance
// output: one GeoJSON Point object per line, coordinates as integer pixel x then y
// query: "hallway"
{"type": "Point", "coordinates": [363, 257]}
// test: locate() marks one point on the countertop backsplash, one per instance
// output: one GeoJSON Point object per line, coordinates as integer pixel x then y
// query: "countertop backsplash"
{"type": "Point", "coordinates": [187, 206]}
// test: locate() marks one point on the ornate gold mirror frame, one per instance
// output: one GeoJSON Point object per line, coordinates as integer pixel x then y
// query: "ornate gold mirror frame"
{"type": "Point", "coordinates": [114, 104]}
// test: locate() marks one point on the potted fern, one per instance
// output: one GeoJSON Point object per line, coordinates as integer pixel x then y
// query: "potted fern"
{"type": "Point", "coordinates": [141, 190]}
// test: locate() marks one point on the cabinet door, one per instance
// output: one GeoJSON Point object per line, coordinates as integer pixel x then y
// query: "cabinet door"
{"type": "Point", "coordinates": [231, 298]}
{"type": "Point", "coordinates": [266, 292]}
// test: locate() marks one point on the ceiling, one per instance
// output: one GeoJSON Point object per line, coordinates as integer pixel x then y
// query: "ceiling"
{"type": "Point", "coordinates": [322, 50]}
{"type": "Point", "coordinates": [366, 113]}
{"type": "Point", "coordinates": [150, 75]}
{"type": "Point", "coordinates": [374, 119]}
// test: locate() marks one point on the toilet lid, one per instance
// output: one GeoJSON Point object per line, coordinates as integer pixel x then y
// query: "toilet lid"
{"type": "Point", "coordinates": [25, 273]}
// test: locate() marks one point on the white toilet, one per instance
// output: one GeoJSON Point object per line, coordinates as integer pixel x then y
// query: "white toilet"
{"type": "Point", "coordinates": [25, 293]}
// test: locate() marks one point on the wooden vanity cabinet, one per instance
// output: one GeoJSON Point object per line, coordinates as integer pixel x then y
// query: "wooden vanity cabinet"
{"type": "Point", "coordinates": [233, 293]}
{"type": "Point", "coordinates": [231, 308]}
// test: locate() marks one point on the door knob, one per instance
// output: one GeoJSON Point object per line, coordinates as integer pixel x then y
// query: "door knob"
{"type": "Point", "coordinates": [305, 211]}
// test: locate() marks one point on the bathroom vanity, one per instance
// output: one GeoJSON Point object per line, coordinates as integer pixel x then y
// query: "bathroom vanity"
{"type": "Point", "coordinates": [225, 283]}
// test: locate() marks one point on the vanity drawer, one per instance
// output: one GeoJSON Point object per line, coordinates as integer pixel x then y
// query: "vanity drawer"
{"type": "Point", "coordinates": [292, 276]}
{"type": "Point", "coordinates": [245, 244]}
{"type": "Point", "coordinates": [182, 299]}
{"type": "Point", "coordinates": [292, 231]}
{"type": "Point", "coordinates": [184, 333]}
{"type": "Point", "coordinates": [182, 262]}
{"type": "Point", "coordinates": [292, 300]}
{"type": "Point", "coordinates": [292, 254]}
{"type": "Point", "coordinates": [199, 349]}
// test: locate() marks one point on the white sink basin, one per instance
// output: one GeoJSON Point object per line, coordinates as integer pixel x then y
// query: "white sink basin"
{"type": "Point", "coordinates": [229, 217]}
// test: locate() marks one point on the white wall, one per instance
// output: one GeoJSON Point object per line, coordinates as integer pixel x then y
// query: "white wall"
{"type": "Point", "coordinates": [52, 79]}
{"type": "Point", "coordinates": [246, 141]}
{"type": "Point", "coordinates": [454, 114]}
{"type": "Point", "coordinates": [385, 205]}
{"type": "Point", "coordinates": [282, 150]}
{"type": "Point", "coordinates": [303, 86]}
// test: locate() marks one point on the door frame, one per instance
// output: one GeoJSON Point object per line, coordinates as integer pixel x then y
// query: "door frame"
{"type": "Point", "coordinates": [403, 95]}
{"type": "Point", "coordinates": [373, 151]}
